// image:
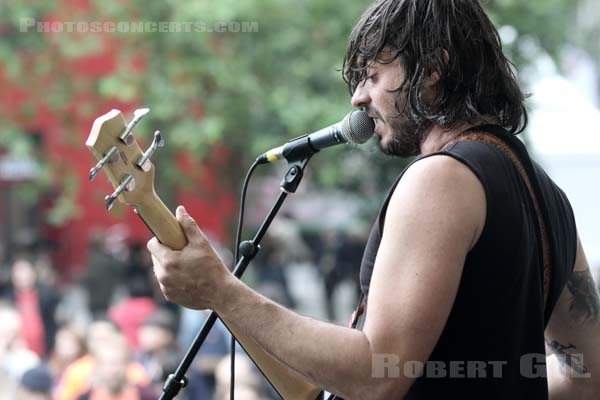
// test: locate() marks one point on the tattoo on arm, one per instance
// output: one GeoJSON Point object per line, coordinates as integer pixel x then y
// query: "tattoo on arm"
{"type": "Point", "coordinates": [566, 356]}
{"type": "Point", "coordinates": [585, 304]}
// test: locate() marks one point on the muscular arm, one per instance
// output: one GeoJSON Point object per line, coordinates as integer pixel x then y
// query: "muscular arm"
{"type": "Point", "coordinates": [572, 337]}
{"type": "Point", "coordinates": [434, 217]}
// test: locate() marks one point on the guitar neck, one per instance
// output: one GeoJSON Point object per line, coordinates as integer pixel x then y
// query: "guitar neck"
{"type": "Point", "coordinates": [161, 222]}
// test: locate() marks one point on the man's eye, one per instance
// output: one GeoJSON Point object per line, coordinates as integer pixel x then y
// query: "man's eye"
{"type": "Point", "coordinates": [372, 77]}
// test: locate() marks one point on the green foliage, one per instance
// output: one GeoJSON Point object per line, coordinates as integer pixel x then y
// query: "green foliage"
{"type": "Point", "coordinates": [65, 206]}
{"type": "Point", "coordinates": [545, 20]}
{"type": "Point", "coordinates": [255, 89]}
{"type": "Point", "coordinates": [252, 90]}
{"type": "Point", "coordinates": [21, 145]}
{"type": "Point", "coordinates": [15, 140]}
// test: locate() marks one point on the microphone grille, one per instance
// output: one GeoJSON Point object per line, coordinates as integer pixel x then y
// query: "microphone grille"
{"type": "Point", "coordinates": [357, 127]}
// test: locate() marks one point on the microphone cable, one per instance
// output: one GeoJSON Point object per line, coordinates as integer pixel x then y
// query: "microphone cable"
{"type": "Point", "coordinates": [238, 238]}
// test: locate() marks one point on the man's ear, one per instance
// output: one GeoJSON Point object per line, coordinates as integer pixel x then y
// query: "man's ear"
{"type": "Point", "coordinates": [434, 77]}
{"type": "Point", "coordinates": [432, 80]}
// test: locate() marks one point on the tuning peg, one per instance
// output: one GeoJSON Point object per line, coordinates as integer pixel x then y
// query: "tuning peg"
{"type": "Point", "coordinates": [157, 142]}
{"type": "Point", "coordinates": [137, 116]}
{"type": "Point", "coordinates": [110, 199]}
{"type": "Point", "coordinates": [107, 157]}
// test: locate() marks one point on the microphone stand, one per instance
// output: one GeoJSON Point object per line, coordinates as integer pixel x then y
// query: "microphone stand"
{"type": "Point", "coordinates": [289, 183]}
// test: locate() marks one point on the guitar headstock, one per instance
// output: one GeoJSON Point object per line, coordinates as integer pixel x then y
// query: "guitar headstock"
{"type": "Point", "coordinates": [132, 174]}
{"type": "Point", "coordinates": [128, 168]}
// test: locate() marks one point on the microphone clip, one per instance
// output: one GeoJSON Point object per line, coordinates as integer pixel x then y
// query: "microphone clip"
{"type": "Point", "coordinates": [291, 180]}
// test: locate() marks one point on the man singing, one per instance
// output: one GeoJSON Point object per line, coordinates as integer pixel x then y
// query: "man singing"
{"type": "Point", "coordinates": [473, 271]}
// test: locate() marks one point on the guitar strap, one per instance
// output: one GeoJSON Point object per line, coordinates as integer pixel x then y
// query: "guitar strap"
{"type": "Point", "coordinates": [498, 143]}
{"type": "Point", "coordinates": [358, 312]}
{"type": "Point", "coordinates": [543, 234]}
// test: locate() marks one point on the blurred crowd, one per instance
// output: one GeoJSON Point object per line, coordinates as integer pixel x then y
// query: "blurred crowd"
{"type": "Point", "coordinates": [107, 333]}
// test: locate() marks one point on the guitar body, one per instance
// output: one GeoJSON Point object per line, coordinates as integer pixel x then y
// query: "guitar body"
{"type": "Point", "coordinates": [107, 136]}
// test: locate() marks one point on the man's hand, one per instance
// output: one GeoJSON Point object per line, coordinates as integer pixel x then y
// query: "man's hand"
{"type": "Point", "coordinates": [194, 276]}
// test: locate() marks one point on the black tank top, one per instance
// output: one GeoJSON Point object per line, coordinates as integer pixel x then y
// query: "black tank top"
{"type": "Point", "coordinates": [492, 346]}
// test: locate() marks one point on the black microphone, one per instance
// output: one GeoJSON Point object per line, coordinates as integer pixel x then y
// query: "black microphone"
{"type": "Point", "coordinates": [356, 128]}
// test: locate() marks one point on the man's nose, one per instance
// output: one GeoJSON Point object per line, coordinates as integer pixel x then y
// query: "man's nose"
{"type": "Point", "coordinates": [360, 98]}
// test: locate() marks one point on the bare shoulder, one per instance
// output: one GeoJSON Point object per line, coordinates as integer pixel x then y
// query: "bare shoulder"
{"type": "Point", "coordinates": [439, 166]}
{"type": "Point", "coordinates": [441, 188]}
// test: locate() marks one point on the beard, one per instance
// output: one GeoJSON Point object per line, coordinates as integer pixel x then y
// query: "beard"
{"type": "Point", "coordinates": [407, 134]}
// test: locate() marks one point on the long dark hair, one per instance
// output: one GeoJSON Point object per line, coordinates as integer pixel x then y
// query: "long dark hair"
{"type": "Point", "coordinates": [450, 39]}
